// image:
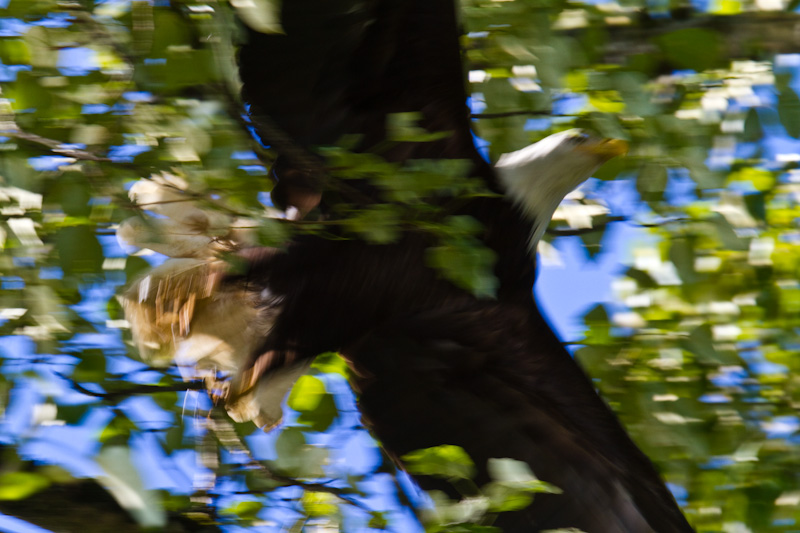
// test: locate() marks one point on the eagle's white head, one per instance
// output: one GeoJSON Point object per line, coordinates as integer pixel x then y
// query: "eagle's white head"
{"type": "Point", "coordinates": [538, 177]}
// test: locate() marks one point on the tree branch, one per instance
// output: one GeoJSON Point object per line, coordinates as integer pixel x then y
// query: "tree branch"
{"type": "Point", "coordinates": [562, 232]}
{"type": "Point", "coordinates": [133, 391]}
{"type": "Point", "coordinates": [543, 112]}
{"type": "Point", "coordinates": [56, 147]}
{"type": "Point", "coordinates": [752, 35]}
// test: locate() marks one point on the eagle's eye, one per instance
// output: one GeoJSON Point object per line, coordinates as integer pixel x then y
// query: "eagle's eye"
{"type": "Point", "coordinates": [579, 137]}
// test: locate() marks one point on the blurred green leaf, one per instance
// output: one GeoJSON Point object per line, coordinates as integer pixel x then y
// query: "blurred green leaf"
{"type": "Point", "coordinates": [467, 263]}
{"type": "Point", "coordinates": [611, 169]}
{"type": "Point", "coordinates": [681, 253]}
{"type": "Point", "coordinates": [377, 520]}
{"type": "Point", "coordinates": [761, 179]}
{"type": "Point", "coordinates": [14, 51]}
{"type": "Point", "coordinates": [118, 431]}
{"type": "Point", "coordinates": [693, 48]}
{"type": "Point", "coordinates": [752, 126]}
{"type": "Point", "coordinates": [297, 458]}
{"type": "Point", "coordinates": [319, 504]}
{"type": "Point", "coordinates": [79, 250]}
{"type": "Point", "coordinates": [789, 111]}
{"type": "Point", "coordinates": [273, 232]}
{"type": "Point", "coordinates": [71, 191]}
{"type": "Point", "coordinates": [92, 366]}
{"type": "Point", "coordinates": [447, 461]}
{"type": "Point", "coordinates": [599, 327]}
{"type": "Point", "coordinates": [246, 510]}
{"type": "Point", "coordinates": [316, 406]}
{"type": "Point", "coordinates": [134, 267]}
{"type": "Point", "coordinates": [403, 127]}
{"type": "Point", "coordinates": [174, 439]}
{"type": "Point", "coordinates": [700, 344]}
{"type": "Point", "coordinates": [124, 482]}
{"type": "Point", "coordinates": [170, 31]}
{"type": "Point", "coordinates": [642, 278]}
{"type": "Point", "coordinates": [652, 182]}
{"type": "Point", "coordinates": [165, 400]}
{"type": "Point", "coordinates": [331, 363]}
{"type": "Point", "coordinates": [593, 240]}
{"type": "Point", "coordinates": [256, 481]}
{"type": "Point", "coordinates": [27, 94]}
{"type": "Point", "coordinates": [72, 414]}
{"type": "Point", "coordinates": [756, 206]}
{"type": "Point", "coordinates": [20, 485]}
{"type": "Point", "coordinates": [727, 235]}
{"type": "Point", "coordinates": [378, 225]}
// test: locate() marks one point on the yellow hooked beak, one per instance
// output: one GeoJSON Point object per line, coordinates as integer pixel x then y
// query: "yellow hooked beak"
{"type": "Point", "coordinates": [605, 149]}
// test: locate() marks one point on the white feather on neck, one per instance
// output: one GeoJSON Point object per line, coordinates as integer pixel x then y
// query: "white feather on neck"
{"type": "Point", "coordinates": [538, 177]}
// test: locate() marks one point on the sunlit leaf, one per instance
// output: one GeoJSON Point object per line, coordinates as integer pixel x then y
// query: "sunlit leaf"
{"type": "Point", "coordinates": [599, 326]}
{"type": "Point", "coordinates": [761, 179]}
{"type": "Point", "coordinates": [14, 52]}
{"type": "Point", "coordinates": [606, 101]}
{"type": "Point", "coordinates": [247, 510]}
{"type": "Point", "coordinates": [316, 406]}
{"type": "Point", "coordinates": [331, 363]}
{"type": "Point", "coordinates": [20, 485]}
{"type": "Point", "coordinates": [118, 430]}
{"type": "Point", "coordinates": [319, 504]}
{"type": "Point", "coordinates": [446, 461]}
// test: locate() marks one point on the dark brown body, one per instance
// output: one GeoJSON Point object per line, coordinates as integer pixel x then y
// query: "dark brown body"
{"type": "Point", "coordinates": [434, 364]}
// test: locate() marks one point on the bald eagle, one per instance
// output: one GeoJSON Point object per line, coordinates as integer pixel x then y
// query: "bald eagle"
{"type": "Point", "coordinates": [433, 363]}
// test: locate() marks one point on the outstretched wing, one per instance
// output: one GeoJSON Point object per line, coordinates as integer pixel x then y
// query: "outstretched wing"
{"type": "Point", "coordinates": [343, 66]}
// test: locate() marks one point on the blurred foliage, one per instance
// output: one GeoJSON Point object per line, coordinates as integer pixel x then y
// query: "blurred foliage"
{"type": "Point", "coordinates": [511, 489]}
{"type": "Point", "coordinates": [697, 352]}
